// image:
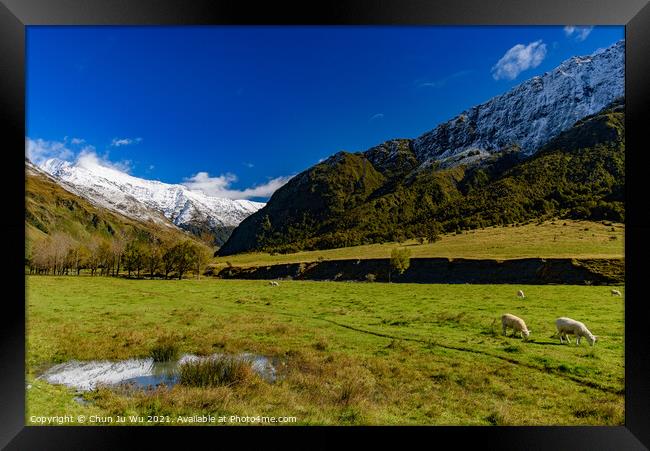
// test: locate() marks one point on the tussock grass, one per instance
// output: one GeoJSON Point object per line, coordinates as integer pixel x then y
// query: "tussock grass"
{"type": "Point", "coordinates": [215, 371]}
{"type": "Point", "coordinates": [321, 345]}
{"type": "Point", "coordinates": [165, 349]}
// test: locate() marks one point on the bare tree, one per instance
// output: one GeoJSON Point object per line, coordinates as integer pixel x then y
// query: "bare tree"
{"type": "Point", "coordinates": [153, 254]}
{"type": "Point", "coordinates": [118, 244]}
{"type": "Point", "coordinates": [61, 243]}
{"type": "Point", "coordinates": [40, 258]}
{"type": "Point", "coordinates": [93, 254]}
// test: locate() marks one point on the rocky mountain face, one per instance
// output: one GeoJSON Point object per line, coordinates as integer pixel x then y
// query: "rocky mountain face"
{"type": "Point", "coordinates": [407, 188]}
{"type": "Point", "coordinates": [150, 200]}
{"type": "Point", "coordinates": [530, 114]}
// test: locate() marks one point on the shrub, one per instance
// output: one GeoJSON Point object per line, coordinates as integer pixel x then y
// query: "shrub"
{"type": "Point", "coordinates": [400, 260]}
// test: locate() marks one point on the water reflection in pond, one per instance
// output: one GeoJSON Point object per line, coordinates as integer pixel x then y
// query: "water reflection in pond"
{"type": "Point", "coordinates": [140, 373]}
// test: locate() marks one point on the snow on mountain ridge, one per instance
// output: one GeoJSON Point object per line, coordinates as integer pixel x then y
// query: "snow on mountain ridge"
{"type": "Point", "coordinates": [136, 197]}
{"type": "Point", "coordinates": [532, 112]}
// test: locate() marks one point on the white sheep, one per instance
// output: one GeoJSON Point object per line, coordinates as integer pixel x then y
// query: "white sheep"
{"type": "Point", "coordinates": [517, 324]}
{"type": "Point", "coordinates": [616, 293]}
{"type": "Point", "coordinates": [521, 294]}
{"type": "Point", "coordinates": [273, 283]}
{"type": "Point", "coordinates": [570, 326]}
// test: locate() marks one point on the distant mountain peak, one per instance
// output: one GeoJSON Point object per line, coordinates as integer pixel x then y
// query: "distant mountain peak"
{"type": "Point", "coordinates": [148, 199]}
{"type": "Point", "coordinates": [532, 112]}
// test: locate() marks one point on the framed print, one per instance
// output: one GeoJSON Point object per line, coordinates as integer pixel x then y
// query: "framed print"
{"type": "Point", "coordinates": [359, 216]}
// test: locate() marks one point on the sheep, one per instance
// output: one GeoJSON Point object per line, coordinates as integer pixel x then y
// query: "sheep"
{"type": "Point", "coordinates": [521, 294]}
{"type": "Point", "coordinates": [517, 324]}
{"type": "Point", "coordinates": [616, 293]}
{"type": "Point", "coordinates": [570, 326]}
{"type": "Point", "coordinates": [273, 283]}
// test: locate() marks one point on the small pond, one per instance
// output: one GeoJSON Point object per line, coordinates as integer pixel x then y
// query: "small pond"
{"type": "Point", "coordinates": [140, 373]}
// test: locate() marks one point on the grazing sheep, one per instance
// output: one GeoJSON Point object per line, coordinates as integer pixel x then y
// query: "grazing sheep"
{"type": "Point", "coordinates": [616, 293]}
{"type": "Point", "coordinates": [273, 283]}
{"type": "Point", "coordinates": [521, 294]}
{"type": "Point", "coordinates": [570, 326]}
{"type": "Point", "coordinates": [517, 324]}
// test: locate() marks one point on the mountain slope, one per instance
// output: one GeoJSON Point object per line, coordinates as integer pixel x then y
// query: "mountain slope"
{"type": "Point", "coordinates": [532, 113]}
{"type": "Point", "coordinates": [51, 207]}
{"type": "Point", "coordinates": [408, 188]}
{"type": "Point", "coordinates": [578, 174]}
{"type": "Point", "coordinates": [152, 200]}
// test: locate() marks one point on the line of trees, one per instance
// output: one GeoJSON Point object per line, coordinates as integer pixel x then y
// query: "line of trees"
{"type": "Point", "coordinates": [61, 254]}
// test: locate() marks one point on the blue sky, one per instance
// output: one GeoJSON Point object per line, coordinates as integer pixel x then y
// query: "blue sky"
{"type": "Point", "coordinates": [234, 111]}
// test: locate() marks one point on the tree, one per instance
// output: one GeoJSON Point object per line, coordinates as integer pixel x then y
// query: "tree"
{"type": "Point", "coordinates": [185, 255]}
{"type": "Point", "coordinates": [80, 254]}
{"type": "Point", "coordinates": [154, 255]}
{"type": "Point", "coordinates": [168, 259]}
{"type": "Point", "coordinates": [41, 256]}
{"type": "Point", "coordinates": [118, 245]}
{"type": "Point", "coordinates": [60, 243]}
{"type": "Point", "coordinates": [134, 257]}
{"type": "Point", "coordinates": [400, 260]}
{"type": "Point", "coordinates": [433, 233]}
{"type": "Point", "coordinates": [203, 255]}
{"type": "Point", "coordinates": [93, 254]}
{"type": "Point", "coordinates": [105, 256]}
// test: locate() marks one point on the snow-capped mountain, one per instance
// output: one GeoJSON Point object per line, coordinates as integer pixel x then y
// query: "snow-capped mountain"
{"type": "Point", "coordinates": [151, 200]}
{"type": "Point", "coordinates": [531, 113]}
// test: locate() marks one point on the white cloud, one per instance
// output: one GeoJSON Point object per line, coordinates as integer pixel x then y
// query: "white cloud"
{"type": "Point", "coordinates": [249, 165]}
{"type": "Point", "coordinates": [117, 142]}
{"type": "Point", "coordinates": [89, 159]}
{"type": "Point", "coordinates": [376, 116]}
{"type": "Point", "coordinates": [39, 150]}
{"type": "Point", "coordinates": [221, 186]}
{"type": "Point", "coordinates": [580, 33]}
{"type": "Point", "coordinates": [518, 59]}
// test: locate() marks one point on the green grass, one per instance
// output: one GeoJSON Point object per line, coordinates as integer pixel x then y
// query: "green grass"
{"type": "Point", "coordinates": [352, 353]}
{"type": "Point", "coordinates": [551, 239]}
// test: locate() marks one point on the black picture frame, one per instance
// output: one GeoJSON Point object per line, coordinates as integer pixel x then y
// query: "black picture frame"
{"type": "Point", "coordinates": [15, 15]}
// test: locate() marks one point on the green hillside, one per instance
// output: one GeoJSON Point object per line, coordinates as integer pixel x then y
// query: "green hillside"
{"type": "Point", "coordinates": [377, 196]}
{"type": "Point", "coordinates": [49, 209]}
{"type": "Point", "coordinates": [549, 239]}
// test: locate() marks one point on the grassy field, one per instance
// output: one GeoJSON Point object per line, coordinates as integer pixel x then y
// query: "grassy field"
{"type": "Point", "coordinates": [559, 238]}
{"type": "Point", "coordinates": [354, 353]}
